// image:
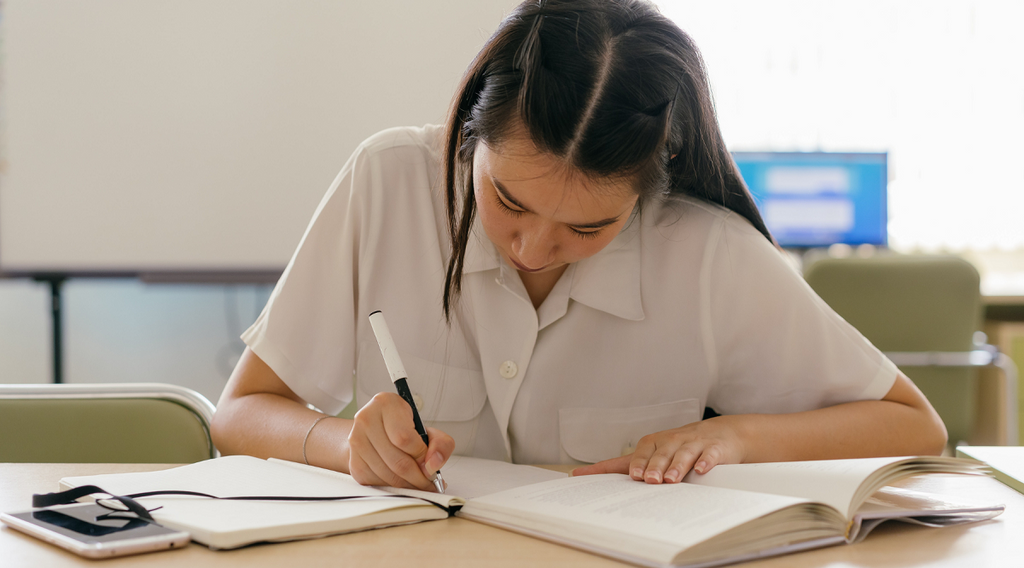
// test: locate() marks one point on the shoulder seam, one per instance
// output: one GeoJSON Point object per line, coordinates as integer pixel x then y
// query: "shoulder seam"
{"type": "Point", "coordinates": [397, 137]}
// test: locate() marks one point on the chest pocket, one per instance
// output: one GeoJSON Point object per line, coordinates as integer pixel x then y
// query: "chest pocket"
{"type": "Point", "coordinates": [448, 398]}
{"type": "Point", "coordinates": [593, 434]}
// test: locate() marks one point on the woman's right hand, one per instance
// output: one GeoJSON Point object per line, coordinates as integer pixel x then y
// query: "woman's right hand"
{"type": "Point", "coordinates": [385, 449]}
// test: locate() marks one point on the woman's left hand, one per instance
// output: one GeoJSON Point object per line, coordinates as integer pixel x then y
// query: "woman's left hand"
{"type": "Point", "coordinates": [669, 455]}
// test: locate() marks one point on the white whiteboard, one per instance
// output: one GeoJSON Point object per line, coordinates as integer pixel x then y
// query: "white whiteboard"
{"type": "Point", "coordinates": [199, 135]}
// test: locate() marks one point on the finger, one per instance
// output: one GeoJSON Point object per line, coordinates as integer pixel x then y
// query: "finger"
{"type": "Point", "coordinates": [402, 466]}
{"type": "Point", "coordinates": [400, 429]}
{"type": "Point", "coordinates": [638, 462]}
{"type": "Point", "coordinates": [614, 465]}
{"type": "Point", "coordinates": [370, 441]}
{"type": "Point", "coordinates": [362, 472]}
{"type": "Point", "coordinates": [711, 457]}
{"type": "Point", "coordinates": [398, 461]}
{"type": "Point", "coordinates": [358, 447]}
{"type": "Point", "coordinates": [682, 462]}
{"type": "Point", "coordinates": [659, 462]}
{"type": "Point", "coordinates": [366, 466]}
{"type": "Point", "coordinates": [402, 435]}
{"type": "Point", "coordinates": [440, 449]}
{"type": "Point", "coordinates": [365, 450]}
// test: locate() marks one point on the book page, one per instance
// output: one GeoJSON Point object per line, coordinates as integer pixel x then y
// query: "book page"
{"type": "Point", "coordinates": [833, 482]}
{"type": "Point", "coordinates": [468, 478]}
{"type": "Point", "coordinates": [917, 507]}
{"type": "Point", "coordinates": [225, 524]}
{"type": "Point", "coordinates": [232, 476]}
{"type": "Point", "coordinates": [474, 477]}
{"type": "Point", "coordinates": [612, 511]}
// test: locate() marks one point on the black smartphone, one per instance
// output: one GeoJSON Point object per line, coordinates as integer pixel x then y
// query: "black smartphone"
{"type": "Point", "coordinates": [89, 530]}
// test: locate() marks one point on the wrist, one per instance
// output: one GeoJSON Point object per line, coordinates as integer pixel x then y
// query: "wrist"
{"type": "Point", "coordinates": [305, 440]}
{"type": "Point", "coordinates": [742, 431]}
{"type": "Point", "coordinates": [327, 444]}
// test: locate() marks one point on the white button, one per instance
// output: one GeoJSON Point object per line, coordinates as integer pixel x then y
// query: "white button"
{"type": "Point", "coordinates": [416, 398]}
{"type": "Point", "coordinates": [628, 449]}
{"type": "Point", "coordinates": [508, 369]}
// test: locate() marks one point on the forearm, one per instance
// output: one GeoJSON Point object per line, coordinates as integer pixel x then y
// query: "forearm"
{"type": "Point", "coordinates": [269, 425]}
{"type": "Point", "coordinates": [903, 423]}
{"type": "Point", "coordinates": [853, 430]}
{"type": "Point", "coordinates": [258, 415]}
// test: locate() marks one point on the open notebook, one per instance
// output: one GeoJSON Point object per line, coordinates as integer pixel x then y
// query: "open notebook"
{"type": "Point", "coordinates": [733, 513]}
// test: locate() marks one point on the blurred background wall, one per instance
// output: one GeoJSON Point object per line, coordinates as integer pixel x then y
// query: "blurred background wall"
{"type": "Point", "coordinates": [937, 84]}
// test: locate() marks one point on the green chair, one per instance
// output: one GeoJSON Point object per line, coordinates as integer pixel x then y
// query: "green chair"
{"type": "Point", "coordinates": [104, 423]}
{"type": "Point", "coordinates": [923, 311]}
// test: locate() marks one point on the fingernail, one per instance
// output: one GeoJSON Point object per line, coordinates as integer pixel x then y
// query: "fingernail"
{"type": "Point", "coordinates": [433, 463]}
{"type": "Point", "coordinates": [638, 473]}
{"type": "Point", "coordinates": [654, 476]}
{"type": "Point", "coordinates": [701, 466]}
{"type": "Point", "coordinates": [672, 476]}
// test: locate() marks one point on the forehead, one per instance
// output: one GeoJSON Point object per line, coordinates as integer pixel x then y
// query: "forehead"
{"type": "Point", "coordinates": [530, 176]}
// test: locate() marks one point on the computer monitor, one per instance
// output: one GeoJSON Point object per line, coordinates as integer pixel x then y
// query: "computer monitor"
{"type": "Point", "coordinates": [816, 199]}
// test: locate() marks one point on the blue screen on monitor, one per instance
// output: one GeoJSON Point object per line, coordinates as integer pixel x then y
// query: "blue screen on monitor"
{"type": "Point", "coordinates": [813, 199]}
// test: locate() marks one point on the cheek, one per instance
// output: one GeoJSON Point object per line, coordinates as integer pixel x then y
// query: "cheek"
{"type": "Point", "coordinates": [576, 248]}
{"type": "Point", "coordinates": [498, 226]}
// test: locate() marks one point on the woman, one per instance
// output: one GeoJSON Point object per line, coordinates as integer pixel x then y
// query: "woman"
{"type": "Point", "coordinates": [594, 276]}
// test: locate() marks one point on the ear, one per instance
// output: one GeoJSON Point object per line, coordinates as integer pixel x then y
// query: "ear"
{"type": "Point", "coordinates": [673, 156]}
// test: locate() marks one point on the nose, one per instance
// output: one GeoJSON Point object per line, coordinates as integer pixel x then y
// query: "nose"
{"type": "Point", "coordinates": [534, 247]}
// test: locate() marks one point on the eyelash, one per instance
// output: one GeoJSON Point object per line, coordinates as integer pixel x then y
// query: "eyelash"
{"type": "Point", "coordinates": [516, 214]}
{"type": "Point", "coordinates": [585, 234]}
{"type": "Point", "coordinates": [512, 212]}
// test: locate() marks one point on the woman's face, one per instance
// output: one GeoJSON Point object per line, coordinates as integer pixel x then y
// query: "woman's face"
{"type": "Point", "coordinates": [540, 214]}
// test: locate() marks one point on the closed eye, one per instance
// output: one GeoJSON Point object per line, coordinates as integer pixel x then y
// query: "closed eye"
{"type": "Point", "coordinates": [506, 208]}
{"type": "Point", "coordinates": [514, 210]}
{"type": "Point", "coordinates": [585, 234]}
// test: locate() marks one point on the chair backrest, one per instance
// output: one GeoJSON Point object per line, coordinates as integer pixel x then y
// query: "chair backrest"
{"type": "Point", "coordinates": [104, 423]}
{"type": "Point", "coordinates": [912, 303]}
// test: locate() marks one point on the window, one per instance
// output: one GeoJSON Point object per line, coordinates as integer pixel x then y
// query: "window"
{"type": "Point", "coordinates": [937, 84]}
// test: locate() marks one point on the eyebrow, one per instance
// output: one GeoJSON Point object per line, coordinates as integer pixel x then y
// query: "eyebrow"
{"type": "Point", "coordinates": [508, 197]}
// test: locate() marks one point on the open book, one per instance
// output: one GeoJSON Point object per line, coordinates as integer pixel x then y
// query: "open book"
{"type": "Point", "coordinates": [733, 513]}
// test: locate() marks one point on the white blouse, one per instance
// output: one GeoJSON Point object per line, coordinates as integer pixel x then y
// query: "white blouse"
{"type": "Point", "coordinates": [688, 307]}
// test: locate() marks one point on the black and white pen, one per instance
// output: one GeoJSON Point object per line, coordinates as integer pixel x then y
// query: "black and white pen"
{"type": "Point", "coordinates": [399, 376]}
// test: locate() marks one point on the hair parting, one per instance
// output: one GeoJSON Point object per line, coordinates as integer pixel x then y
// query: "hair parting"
{"type": "Point", "coordinates": [612, 88]}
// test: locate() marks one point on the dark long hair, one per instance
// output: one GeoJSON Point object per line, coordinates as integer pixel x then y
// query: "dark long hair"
{"type": "Point", "coordinates": [611, 87]}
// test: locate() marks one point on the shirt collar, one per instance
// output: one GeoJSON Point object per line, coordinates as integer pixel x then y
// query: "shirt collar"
{"type": "Point", "coordinates": [480, 251]}
{"type": "Point", "coordinates": [608, 281]}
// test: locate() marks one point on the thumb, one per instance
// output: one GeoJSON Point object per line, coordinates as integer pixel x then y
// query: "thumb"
{"type": "Point", "coordinates": [440, 449]}
{"type": "Point", "coordinates": [614, 465]}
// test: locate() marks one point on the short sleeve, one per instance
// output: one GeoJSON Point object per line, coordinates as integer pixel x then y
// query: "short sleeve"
{"type": "Point", "coordinates": [777, 346]}
{"type": "Point", "coordinates": [306, 332]}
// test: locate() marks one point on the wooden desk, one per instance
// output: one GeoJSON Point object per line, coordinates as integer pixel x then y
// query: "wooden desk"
{"type": "Point", "coordinates": [456, 542]}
